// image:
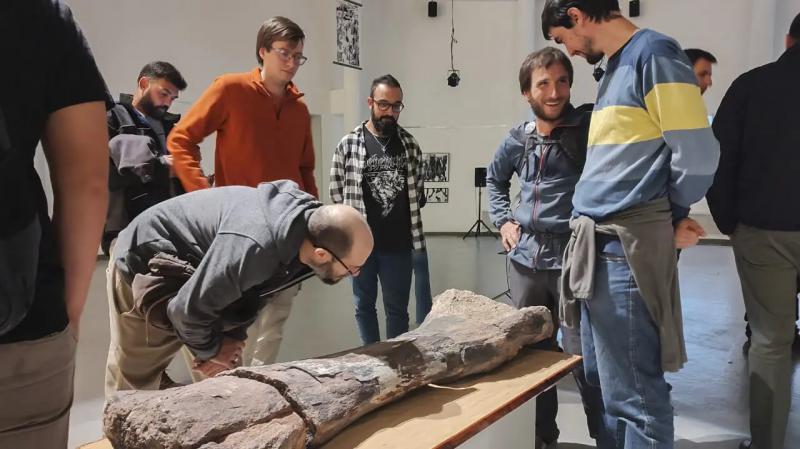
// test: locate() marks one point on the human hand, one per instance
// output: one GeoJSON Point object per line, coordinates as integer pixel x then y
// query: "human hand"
{"type": "Point", "coordinates": [688, 233]}
{"type": "Point", "coordinates": [509, 233]}
{"type": "Point", "coordinates": [228, 357]}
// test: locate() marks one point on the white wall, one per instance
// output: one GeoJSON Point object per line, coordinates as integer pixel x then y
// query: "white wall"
{"type": "Point", "coordinates": [205, 38]}
{"type": "Point", "coordinates": [468, 121]}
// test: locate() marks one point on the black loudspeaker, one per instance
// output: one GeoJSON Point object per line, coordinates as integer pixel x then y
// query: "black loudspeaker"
{"type": "Point", "coordinates": [634, 8]}
{"type": "Point", "coordinates": [433, 9]}
{"type": "Point", "coordinates": [480, 176]}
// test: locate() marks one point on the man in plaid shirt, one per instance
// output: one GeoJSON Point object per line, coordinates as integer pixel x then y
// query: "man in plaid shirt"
{"type": "Point", "coordinates": [376, 169]}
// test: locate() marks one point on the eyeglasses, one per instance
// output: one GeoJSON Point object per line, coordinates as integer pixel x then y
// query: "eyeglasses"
{"type": "Point", "coordinates": [351, 271]}
{"type": "Point", "coordinates": [285, 56]}
{"type": "Point", "coordinates": [385, 105]}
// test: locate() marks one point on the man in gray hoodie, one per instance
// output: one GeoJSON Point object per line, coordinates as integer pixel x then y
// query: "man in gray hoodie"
{"type": "Point", "coordinates": [196, 269]}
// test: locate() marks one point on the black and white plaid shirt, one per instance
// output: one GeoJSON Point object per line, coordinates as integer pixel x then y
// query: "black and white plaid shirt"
{"type": "Point", "coordinates": [348, 167]}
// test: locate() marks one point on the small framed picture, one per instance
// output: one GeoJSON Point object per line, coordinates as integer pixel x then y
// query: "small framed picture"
{"type": "Point", "coordinates": [437, 194]}
{"type": "Point", "coordinates": [436, 167]}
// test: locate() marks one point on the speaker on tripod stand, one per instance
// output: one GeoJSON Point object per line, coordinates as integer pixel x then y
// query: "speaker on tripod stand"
{"type": "Point", "coordinates": [475, 229]}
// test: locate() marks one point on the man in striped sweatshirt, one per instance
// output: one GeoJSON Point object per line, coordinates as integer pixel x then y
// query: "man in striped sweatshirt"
{"type": "Point", "coordinates": [651, 154]}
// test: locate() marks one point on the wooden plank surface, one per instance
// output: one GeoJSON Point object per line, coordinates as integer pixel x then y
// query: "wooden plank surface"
{"type": "Point", "coordinates": [443, 417]}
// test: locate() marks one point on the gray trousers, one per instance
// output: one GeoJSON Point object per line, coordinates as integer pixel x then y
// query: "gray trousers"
{"type": "Point", "coordinates": [768, 263]}
{"type": "Point", "coordinates": [541, 288]}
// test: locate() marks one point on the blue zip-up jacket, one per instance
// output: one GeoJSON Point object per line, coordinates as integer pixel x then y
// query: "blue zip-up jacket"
{"type": "Point", "coordinates": [548, 170]}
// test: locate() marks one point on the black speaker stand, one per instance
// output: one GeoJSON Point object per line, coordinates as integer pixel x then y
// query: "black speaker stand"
{"type": "Point", "coordinates": [475, 229]}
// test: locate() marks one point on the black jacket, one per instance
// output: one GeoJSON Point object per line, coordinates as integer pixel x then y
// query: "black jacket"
{"type": "Point", "coordinates": [135, 189]}
{"type": "Point", "coordinates": [758, 128]}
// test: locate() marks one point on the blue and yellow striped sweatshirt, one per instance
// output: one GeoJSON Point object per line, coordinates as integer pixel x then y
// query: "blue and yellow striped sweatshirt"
{"type": "Point", "coordinates": [649, 135]}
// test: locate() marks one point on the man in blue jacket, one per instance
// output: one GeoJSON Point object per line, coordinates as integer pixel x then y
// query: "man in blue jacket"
{"type": "Point", "coordinates": [547, 156]}
{"type": "Point", "coordinates": [754, 199]}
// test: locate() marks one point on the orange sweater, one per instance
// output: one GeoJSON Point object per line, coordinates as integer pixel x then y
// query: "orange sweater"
{"type": "Point", "coordinates": [254, 143]}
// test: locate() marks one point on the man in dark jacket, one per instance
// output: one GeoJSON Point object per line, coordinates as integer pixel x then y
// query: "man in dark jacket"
{"type": "Point", "coordinates": [547, 155]}
{"type": "Point", "coordinates": [754, 199]}
{"type": "Point", "coordinates": [229, 249]}
{"type": "Point", "coordinates": [140, 165]}
{"type": "Point", "coordinates": [52, 93]}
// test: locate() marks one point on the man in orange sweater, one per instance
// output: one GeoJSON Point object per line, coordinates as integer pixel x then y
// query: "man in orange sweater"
{"type": "Point", "coordinates": [263, 134]}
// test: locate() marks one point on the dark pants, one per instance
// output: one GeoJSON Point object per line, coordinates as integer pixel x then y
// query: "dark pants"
{"type": "Point", "coordinates": [422, 285]}
{"type": "Point", "coordinates": [394, 271]}
{"type": "Point", "coordinates": [541, 288]}
{"type": "Point", "coordinates": [768, 263]}
{"type": "Point", "coordinates": [749, 333]}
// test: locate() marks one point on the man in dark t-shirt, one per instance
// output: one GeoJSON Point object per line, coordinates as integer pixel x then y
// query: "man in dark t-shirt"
{"type": "Point", "coordinates": [376, 169]}
{"type": "Point", "coordinates": [51, 91]}
{"type": "Point", "coordinates": [385, 186]}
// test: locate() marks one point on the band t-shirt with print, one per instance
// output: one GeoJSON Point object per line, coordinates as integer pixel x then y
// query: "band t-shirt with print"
{"type": "Point", "coordinates": [385, 187]}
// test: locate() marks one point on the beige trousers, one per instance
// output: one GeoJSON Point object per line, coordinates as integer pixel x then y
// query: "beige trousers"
{"type": "Point", "coordinates": [36, 388]}
{"type": "Point", "coordinates": [137, 354]}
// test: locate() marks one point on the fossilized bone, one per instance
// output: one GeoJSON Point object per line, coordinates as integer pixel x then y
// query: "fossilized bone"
{"type": "Point", "coordinates": [294, 404]}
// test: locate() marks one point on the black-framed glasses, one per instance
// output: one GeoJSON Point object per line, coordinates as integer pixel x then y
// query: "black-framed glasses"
{"type": "Point", "coordinates": [385, 105]}
{"type": "Point", "coordinates": [284, 54]}
{"type": "Point", "coordinates": [351, 271]}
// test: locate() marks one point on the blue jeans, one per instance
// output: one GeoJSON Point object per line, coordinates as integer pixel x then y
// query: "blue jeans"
{"type": "Point", "coordinates": [622, 352]}
{"type": "Point", "coordinates": [422, 285]}
{"type": "Point", "coordinates": [394, 271]}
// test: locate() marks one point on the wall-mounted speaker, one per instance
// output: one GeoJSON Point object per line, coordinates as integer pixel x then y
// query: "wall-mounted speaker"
{"type": "Point", "coordinates": [433, 9]}
{"type": "Point", "coordinates": [634, 8]}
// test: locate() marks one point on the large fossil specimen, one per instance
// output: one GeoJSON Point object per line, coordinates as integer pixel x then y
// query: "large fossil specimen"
{"type": "Point", "coordinates": [293, 405]}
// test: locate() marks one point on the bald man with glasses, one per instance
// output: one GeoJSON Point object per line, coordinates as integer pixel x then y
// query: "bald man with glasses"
{"type": "Point", "coordinates": [197, 269]}
{"type": "Point", "coordinates": [377, 170]}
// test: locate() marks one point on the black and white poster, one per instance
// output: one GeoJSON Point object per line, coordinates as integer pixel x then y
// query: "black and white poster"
{"type": "Point", "coordinates": [347, 34]}
{"type": "Point", "coordinates": [437, 194]}
{"type": "Point", "coordinates": [436, 167]}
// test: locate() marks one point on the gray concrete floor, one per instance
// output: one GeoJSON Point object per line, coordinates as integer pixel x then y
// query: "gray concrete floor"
{"type": "Point", "coordinates": [709, 394]}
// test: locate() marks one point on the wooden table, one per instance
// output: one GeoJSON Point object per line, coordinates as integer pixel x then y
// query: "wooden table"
{"type": "Point", "coordinates": [443, 417]}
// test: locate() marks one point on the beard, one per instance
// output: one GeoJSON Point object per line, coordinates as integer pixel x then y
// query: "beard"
{"type": "Point", "coordinates": [539, 111]}
{"type": "Point", "coordinates": [325, 274]}
{"type": "Point", "coordinates": [592, 56]}
{"type": "Point", "coordinates": [149, 108]}
{"type": "Point", "coordinates": [386, 125]}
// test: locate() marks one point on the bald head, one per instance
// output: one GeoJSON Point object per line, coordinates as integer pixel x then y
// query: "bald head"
{"type": "Point", "coordinates": [342, 230]}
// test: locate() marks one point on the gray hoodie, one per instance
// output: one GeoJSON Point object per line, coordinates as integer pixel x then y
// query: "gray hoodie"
{"type": "Point", "coordinates": [237, 237]}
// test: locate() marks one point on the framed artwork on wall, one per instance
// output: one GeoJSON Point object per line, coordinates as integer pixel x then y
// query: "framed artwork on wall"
{"type": "Point", "coordinates": [437, 195]}
{"type": "Point", "coordinates": [436, 167]}
{"type": "Point", "coordinates": [348, 45]}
